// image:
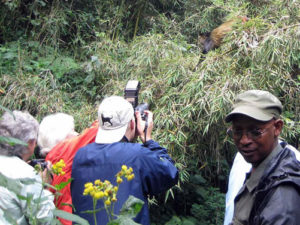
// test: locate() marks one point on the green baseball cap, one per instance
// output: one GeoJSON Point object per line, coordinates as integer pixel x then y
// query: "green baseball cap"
{"type": "Point", "coordinates": [257, 104]}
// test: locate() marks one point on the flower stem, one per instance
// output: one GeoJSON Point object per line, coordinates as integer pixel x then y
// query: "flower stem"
{"type": "Point", "coordinates": [94, 211]}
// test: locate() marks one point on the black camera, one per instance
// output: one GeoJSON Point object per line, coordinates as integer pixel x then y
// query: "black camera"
{"type": "Point", "coordinates": [131, 94]}
{"type": "Point", "coordinates": [41, 162]}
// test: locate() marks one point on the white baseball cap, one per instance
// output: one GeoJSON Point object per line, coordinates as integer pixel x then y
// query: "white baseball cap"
{"type": "Point", "coordinates": [114, 114]}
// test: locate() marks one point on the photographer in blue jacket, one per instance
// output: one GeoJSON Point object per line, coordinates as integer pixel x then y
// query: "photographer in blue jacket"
{"type": "Point", "coordinates": [153, 168]}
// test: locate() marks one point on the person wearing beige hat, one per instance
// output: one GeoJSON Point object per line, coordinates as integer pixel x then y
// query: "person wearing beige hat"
{"type": "Point", "coordinates": [271, 190]}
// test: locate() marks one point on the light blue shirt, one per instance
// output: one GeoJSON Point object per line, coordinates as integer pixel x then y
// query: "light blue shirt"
{"type": "Point", "coordinates": [26, 183]}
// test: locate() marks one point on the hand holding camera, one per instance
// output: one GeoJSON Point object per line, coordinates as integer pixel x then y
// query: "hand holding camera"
{"type": "Point", "coordinates": [143, 122]}
{"type": "Point", "coordinates": [144, 127]}
{"type": "Point", "coordinates": [44, 168]}
{"type": "Point", "coordinates": [38, 162]}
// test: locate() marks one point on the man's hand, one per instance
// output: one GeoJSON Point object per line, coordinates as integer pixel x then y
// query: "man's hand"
{"type": "Point", "coordinates": [141, 124]}
{"type": "Point", "coordinates": [46, 173]}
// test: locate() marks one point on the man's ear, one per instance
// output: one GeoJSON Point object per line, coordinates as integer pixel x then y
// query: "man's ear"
{"type": "Point", "coordinates": [278, 127]}
{"type": "Point", "coordinates": [31, 144]}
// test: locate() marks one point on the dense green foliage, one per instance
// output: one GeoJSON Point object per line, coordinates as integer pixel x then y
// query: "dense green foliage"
{"type": "Point", "coordinates": [67, 55]}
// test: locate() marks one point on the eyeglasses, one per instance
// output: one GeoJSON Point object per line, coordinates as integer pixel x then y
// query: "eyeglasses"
{"type": "Point", "coordinates": [251, 134]}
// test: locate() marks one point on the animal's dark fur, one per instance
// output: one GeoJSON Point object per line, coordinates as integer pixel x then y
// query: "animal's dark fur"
{"type": "Point", "coordinates": [214, 39]}
{"type": "Point", "coordinates": [208, 45]}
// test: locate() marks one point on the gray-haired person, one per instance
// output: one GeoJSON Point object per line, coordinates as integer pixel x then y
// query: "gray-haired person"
{"type": "Point", "coordinates": [29, 202]}
{"type": "Point", "coordinates": [53, 129]}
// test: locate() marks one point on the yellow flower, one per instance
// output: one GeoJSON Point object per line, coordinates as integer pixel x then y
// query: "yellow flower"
{"type": "Point", "coordinates": [116, 188]}
{"type": "Point", "coordinates": [119, 180]}
{"type": "Point", "coordinates": [114, 198]}
{"type": "Point", "coordinates": [99, 195]}
{"type": "Point", "coordinates": [103, 190]}
{"type": "Point", "coordinates": [120, 174]}
{"type": "Point", "coordinates": [130, 177]}
{"type": "Point", "coordinates": [92, 193]}
{"type": "Point", "coordinates": [88, 184]}
{"type": "Point", "coordinates": [57, 168]}
{"type": "Point", "coordinates": [90, 188]}
{"type": "Point", "coordinates": [98, 182]}
{"type": "Point", "coordinates": [61, 163]}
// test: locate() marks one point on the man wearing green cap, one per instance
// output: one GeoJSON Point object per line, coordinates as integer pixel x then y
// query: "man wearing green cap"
{"type": "Point", "coordinates": [271, 191]}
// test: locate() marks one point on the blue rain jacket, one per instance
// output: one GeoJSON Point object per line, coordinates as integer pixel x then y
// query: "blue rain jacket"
{"type": "Point", "coordinates": [153, 168]}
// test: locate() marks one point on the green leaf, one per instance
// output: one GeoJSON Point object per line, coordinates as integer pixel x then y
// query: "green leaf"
{"type": "Point", "coordinates": [201, 192]}
{"type": "Point", "coordinates": [189, 221]}
{"type": "Point", "coordinates": [175, 220]}
{"type": "Point", "coordinates": [63, 184]}
{"type": "Point", "coordinates": [10, 55]}
{"type": "Point", "coordinates": [93, 211]}
{"type": "Point", "coordinates": [39, 200]}
{"type": "Point", "coordinates": [129, 210]}
{"type": "Point", "coordinates": [12, 141]}
{"type": "Point", "coordinates": [42, 3]}
{"type": "Point", "coordinates": [35, 22]}
{"type": "Point", "coordinates": [11, 184]}
{"type": "Point", "coordinates": [114, 222]}
{"type": "Point", "coordinates": [27, 181]}
{"type": "Point", "coordinates": [68, 216]}
{"type": "Point", "coordinates": [132, 206]}
{"type": "Point", "coordinates": [90, 78]}
{"type": "Point", "coordinates": [71, 205]}
{"type": "Point", "coordinates": [51, 186]}
{"type": "Point", "coordinates": [27, 199]}
{"type": "Point", "coordinates": [123, 220]}
{"type": "Point", "coordinates": [55, 222]}
{"type": "Point", "coordinates": [197, 179]}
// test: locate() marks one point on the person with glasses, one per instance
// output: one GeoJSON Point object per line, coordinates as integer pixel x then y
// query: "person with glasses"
{"type": "Point", "coordinates": [271, 191]}
{"type": "Point", "coordinates": [237, 176]}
